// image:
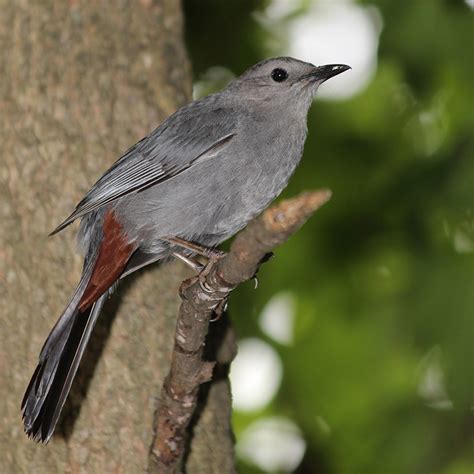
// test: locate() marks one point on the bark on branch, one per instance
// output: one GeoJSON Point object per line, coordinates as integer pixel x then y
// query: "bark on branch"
{"type": "Point", "coordinates": [199, 303]}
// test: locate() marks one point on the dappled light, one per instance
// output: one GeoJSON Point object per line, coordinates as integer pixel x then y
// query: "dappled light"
{"type": "Point", "coordinates": [255, 375]}
{"type": "Point", "coordinates": [273, 444]}
{"type": "Point", "coordinates": [277, 318]}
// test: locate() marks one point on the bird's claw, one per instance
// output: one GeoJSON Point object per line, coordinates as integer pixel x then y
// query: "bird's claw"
{"type": "Point", "coordinates": [207, 269]}
{"type": "Point", "coordinates": [220, 309]}
{"type": "Point", "coordinates": [203, 283]}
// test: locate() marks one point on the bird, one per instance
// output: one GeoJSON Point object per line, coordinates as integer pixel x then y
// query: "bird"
{"type": "Point", "coordinates": [199, 177]}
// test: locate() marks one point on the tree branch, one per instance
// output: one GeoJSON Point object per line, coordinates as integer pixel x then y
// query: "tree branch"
{"type": "Point", "coordinates": [199, 302]}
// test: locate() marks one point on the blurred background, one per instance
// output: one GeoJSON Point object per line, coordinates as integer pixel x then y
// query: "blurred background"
{"type": "Point", "coordinates": [357, 351]}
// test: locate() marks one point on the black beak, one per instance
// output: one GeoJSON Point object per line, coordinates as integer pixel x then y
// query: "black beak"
{"type": "Point", "coordinates": [323, 73]}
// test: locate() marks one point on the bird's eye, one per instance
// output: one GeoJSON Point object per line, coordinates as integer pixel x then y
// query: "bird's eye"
{"type": "Point", "coordinates": [279, 75]}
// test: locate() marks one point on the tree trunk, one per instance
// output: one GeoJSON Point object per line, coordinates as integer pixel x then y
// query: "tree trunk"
{"type": "Point", "coordinates": [81, 82]}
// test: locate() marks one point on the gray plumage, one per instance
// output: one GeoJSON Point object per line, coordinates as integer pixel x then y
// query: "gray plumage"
{"type": "Point", "coordinates": [202, 175]}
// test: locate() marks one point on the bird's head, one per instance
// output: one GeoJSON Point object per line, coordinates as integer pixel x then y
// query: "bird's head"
{"type": "Point", "coordinates": [284, 79]}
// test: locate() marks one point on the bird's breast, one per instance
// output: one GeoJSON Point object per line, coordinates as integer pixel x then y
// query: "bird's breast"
{"type": "Point", "coordinates": [262, 165]}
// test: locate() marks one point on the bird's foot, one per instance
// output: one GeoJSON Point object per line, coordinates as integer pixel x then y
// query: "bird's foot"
{"type": "Point", "coordinates": [212, 260]}
{"type": "Point", "coordinates": [213, 255]}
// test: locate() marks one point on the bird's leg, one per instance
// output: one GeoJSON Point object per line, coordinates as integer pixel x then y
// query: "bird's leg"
{"type": "Point", "coordinates": [189, 261]}
{"type": "Point", "coordinates": [208, 252]}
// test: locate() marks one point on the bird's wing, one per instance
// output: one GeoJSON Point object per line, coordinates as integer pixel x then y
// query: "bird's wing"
{"type": "Point", "coordinates": [192, 134]}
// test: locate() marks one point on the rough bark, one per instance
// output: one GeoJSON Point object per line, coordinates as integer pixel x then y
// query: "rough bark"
{"type": "Point", "coordinates": [82, 81]}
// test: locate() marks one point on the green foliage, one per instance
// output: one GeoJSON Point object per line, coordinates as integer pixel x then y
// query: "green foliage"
{"type": "Point", "coordinates": [383, 276]}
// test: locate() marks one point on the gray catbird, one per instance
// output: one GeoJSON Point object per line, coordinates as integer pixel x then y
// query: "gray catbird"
{"type": "Point", "coordinates": [201, 176]}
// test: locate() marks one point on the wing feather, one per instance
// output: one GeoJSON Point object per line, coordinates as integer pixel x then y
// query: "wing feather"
{"type": "Point", "coordinates": [192, 134]}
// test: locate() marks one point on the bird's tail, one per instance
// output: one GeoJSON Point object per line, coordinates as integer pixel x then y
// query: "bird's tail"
{"type": "Point", "coordinates": [58, 362]}
{"type": "Point", "coordinates": [60, 356]}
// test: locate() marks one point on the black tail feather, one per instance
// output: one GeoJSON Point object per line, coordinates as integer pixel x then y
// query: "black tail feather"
{"type": "Point", "coordinates": [51, 382]}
